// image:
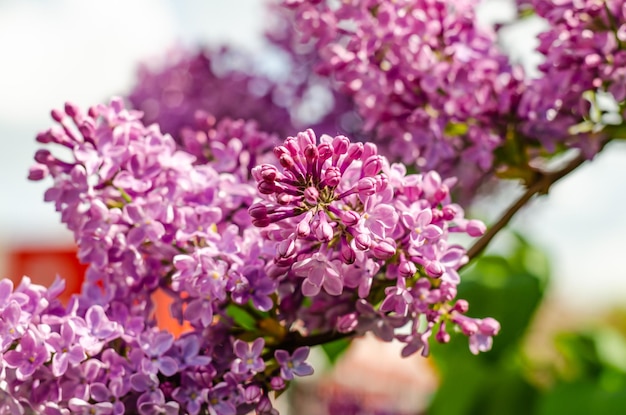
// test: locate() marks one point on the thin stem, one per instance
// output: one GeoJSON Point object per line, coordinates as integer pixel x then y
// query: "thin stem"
{"type": "Point", "coordinates": [296, 340]}
{"type": "Point", "coordinates": [540, 186]}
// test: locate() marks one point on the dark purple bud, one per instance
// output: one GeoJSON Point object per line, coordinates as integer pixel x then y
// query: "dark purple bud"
{"type": "Point", "coordinates": [268, 172]}
{"type": "Point", "coordinates": [258, 211]}
{"type": "Point", "coordinates": [45, 137]}
{"type": "Point", "coordinates": [311, 153]}
{"type": "Point", "coordinates": [57, 115]}
{"type": "Point", "coordinates": [449, 212]}
{"type": "Point", "coordinates": [287, 161]}
{"type": "Point", "coordinates": [442, 335]}
{"type": "Point", "coordinates": [71, 110]}
{"type": "Point", "coordinates": [43, 156]}
{"type": "Point", "coordinates": [37, 172]}
{"type": "Point", "coordinates": [261, 223]}
{"type": "Point", "coordinates": [267, 188]}
{"type": "Point", "coordinates": [461, 306]}
{"type": "Point", "coordinates": [87, 128]}
{"type": "Point", "coordinates": [348, 256]}
{"type": "Point", "coordinates": [325, 152]}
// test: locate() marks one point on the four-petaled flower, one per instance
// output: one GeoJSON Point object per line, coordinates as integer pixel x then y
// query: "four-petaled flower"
{"type": "Point", "coordinates": [294, 364]}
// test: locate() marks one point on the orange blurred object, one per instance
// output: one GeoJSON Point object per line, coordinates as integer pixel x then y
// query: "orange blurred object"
{"type": "Point", "coordinates": [43, 263]}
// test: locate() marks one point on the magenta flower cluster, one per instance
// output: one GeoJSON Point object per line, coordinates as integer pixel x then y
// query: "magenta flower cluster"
{"type": "Point", "coordinates": [422, 74]}
{"type": "Point", "coordinates": [262, 254]}
{"type": "Point", "coordinates": [435, 91]}
{"type": "Point", "coordinates": [584, 57]}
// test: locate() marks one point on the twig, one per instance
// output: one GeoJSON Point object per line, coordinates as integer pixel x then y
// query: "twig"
{"type": "Point", "coordinates": [539, 186]}
{"type": "Point", "coordinates": [297, 340]}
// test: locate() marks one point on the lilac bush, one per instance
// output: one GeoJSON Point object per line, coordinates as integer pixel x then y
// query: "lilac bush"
{"type": "Point", "coordinates": [271, 238]}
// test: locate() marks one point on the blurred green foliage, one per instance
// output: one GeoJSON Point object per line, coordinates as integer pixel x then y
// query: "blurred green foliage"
{"type": "Point", "coordinates": [588, 378]}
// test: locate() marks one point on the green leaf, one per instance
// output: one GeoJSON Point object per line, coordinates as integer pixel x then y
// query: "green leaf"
{"type": "Point", "coordinates": [241, 317]}
{"type": "Point", "coordinates": [335, 349]}
{"type": "Point", "coordinates": [583, 398]}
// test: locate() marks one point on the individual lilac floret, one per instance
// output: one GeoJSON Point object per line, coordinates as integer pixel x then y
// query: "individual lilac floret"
{"type": "Point", "coordinates": [66, 349]}
{"type": "Point", "coordinates": [30, 354]}
{"type": "Point", "coordinates": [294, 364]}
{"type": "Point", "coordinates": [155, 345]}
{"type": "Point", "coordinates": [248, 357]}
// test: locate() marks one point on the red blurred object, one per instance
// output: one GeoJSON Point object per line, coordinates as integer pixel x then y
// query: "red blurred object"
{"type": "Point", "coordinates": [43, 263]}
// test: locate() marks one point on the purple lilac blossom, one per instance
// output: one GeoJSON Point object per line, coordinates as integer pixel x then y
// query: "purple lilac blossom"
{"type": "Point", "coordinates": [425, 78]}
{"type": "Point", "coordinates": [147, 215]}
{"type": "Point", "coordinates": [583, 59]}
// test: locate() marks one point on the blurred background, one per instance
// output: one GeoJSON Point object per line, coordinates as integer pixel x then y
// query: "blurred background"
{"type": "Point", "coordinates": [557, 281]}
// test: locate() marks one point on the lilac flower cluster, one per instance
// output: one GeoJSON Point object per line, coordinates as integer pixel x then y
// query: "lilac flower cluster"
{"type": "Point", "coordinates": [213, 82]}
{"type": "Point", "coordinates": [366, 241]}
{"type": "Point", "coordinates": [584, 56]}
{"type": "Point", "coordinates": [344, 243]}
{"type": "Point", "coordinates": [219, 83]}
{"type": "Point", "coordinates": [423, 75]}
{"type": "Point", "coordinates": [149, 216]}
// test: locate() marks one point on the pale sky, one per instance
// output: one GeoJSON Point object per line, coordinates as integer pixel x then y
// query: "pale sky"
{"type": "Point", "coordinates": [54, 51]}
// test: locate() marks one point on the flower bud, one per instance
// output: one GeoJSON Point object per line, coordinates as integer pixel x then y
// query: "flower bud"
{"type": "Point", "coordinates": [311, 195]}
{"type": "Point", "coordinates": [325, 151]}
{"type": "Point", "coordinates": [258, 211]}
{"type": "Point", "coordinates": [303, 229]}
{"type": "Point", "coordinates": [287, 248]}
{"type": "Point", "coordinates": [407, 269]}
{"type": "Point", "coordinates": [362, 241]}
{"type": "Point", "coordinates": [332, 176]}
{"type": "Point", "coordinates": [489, 326]}
{"type": "Point", "coordinates": [366, 186]}
{"type": "Point", "coordinates": [372, 166]}
{"type": "Point", "coordinates": [348, 256]}
{"type": "Point", "coordinates": [434, 269]}
{"type": "Point", "coordinates": [341, 144]}
{"type": "Point", "coordinates": [287, 161]}
{"type": "Point", "coordinates": [384, 249]}
{"type": "Point", "coordinates": [442, 335]}
{"type": "Point", "coordinates": [461, 306]}
{"type": "Point", "coordinates": [57, 115]}
{"type": "Point", "coordinates": [323, 230]}
{"type": "Point", "coordinates": [349, 217]}
{"type": "Point", "coordinates": [475, 228]}
{"type": "Point", "coordinates": [277, 383]}
{"type": "Point", "coordinates": [347, 323]}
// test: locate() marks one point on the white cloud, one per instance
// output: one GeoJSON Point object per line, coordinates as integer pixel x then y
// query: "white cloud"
{"type": "Point", "coordinates": [74, 50]}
